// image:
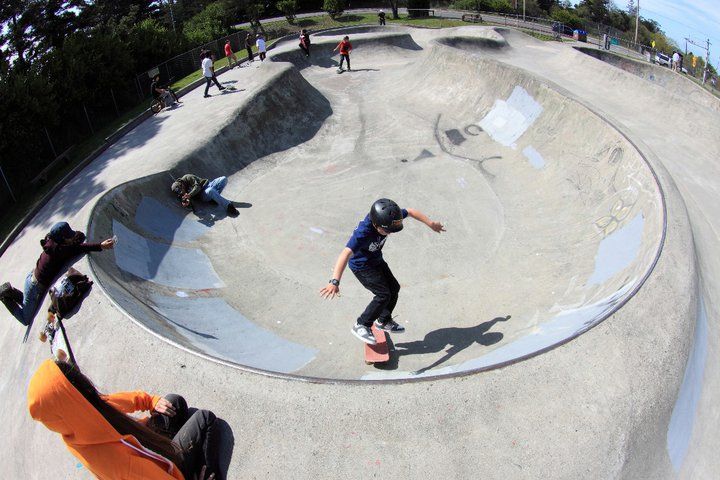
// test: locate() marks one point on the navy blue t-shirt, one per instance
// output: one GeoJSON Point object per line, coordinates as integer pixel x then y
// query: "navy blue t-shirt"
{"type": "Point", "coordinates": [366, 244]}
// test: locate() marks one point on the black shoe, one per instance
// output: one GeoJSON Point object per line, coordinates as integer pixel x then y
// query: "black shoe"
{"type": "Point", "coordinates": [206, 96]}
{"type": "Point", "coordinates": [222, 88]}
{"type": "Point", "coordinates": [7, 292]}
{"type": "Point", "coordinates": [390, 326]}
{"type": "Point", "coordinates": [232, 211]}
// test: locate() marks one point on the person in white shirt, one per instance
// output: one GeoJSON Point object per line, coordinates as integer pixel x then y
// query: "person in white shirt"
{"type": "Point", "coordinates": [260, 42]}
{"type": "Point", "coordinates": [209, 72]}
{"type": "Point", "coordinates": [676, 61]}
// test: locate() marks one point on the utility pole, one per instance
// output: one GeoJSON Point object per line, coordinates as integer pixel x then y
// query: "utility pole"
{"type": "Point", "coordinates": [637, 19]}
{"type": "Point", "coordinates": [707, 61]}
{"type": "Point", "coordinates": [172, 16]}
{"type": "Point", "coordinates": [523, 10]}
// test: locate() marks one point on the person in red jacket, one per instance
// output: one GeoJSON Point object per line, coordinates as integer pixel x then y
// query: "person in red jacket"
{"type": "Point", "coordinates": [345, 48]}
{"type": "Point", "coordinates": [60, 246]}
{"type": "Point", "coordinates": [96, 428]}
{"type": "Point", "coordinates": [232, 59]}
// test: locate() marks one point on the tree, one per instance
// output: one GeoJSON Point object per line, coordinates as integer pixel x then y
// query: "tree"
{"type": "Point", "coordinates": [547, 4]}
{"type": "Point", "coordinates": [631, 8]}
{"type": "Point", "coordinates": [334, 8]}
{"type": "Point", "coordinates": [595, 10]}
{"type": "Point", "coordinates": [254, 11]}
{"type": "Point", "coordinates": [289, 9]}
{"type": "Point", "coordinates": [213, 22]}
{"type": "Point", "coordinates": [394, 5]}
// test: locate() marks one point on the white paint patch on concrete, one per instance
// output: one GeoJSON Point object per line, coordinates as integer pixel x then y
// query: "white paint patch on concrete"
{"type": "Point", "coordinates": [181, 294]}
{"type": "Point", "coordinates": [319, 231]}
{"type": "Point", "coordinates": [175, 267]}
{"type": "Point", "coordinates": [508, 120]}
{"type": "Point", "coordinates": [215, 328]}
{"type": "Point", "coordinates": [462, 182]}
{"type": "Point", "coordinates": [684, 413]}
{"type": "Point", "coordinates": [617, 251]}
{"type": "Point", "coordinates": [534, 157]}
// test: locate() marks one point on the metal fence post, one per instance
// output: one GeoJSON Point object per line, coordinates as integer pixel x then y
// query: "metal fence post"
{"type": "Point", "coordinates": [8, 185]}
{"type": "Point", "coordinates": [52, 147]}
{"type": "Point", "coordinates": [139, 90]}
{"type": "Point", "coordinates": [88, 119]}
{"type": "Point", "coordinates": [117, 110]}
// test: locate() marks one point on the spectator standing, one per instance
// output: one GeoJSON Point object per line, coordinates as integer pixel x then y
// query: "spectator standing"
{"type": "Point", "coordinates": [249, 42]}
{"type": "Point", "coordinates": [230, 55]}
{"type": "Point", "coordinates": [209, 72]}
{"type": "Point", "coordinates": [381, 17]}
{"type": "Point", "coordinates": [675, 61]}
{"type": "Point", "coordinates": [260, 43]}
{"type": "Point", "coordinates": [305, 42]}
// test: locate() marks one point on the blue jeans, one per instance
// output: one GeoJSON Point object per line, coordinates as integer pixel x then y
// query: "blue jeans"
{"type": "Point", "coordinates": [32, 299]}
{"type": "Point", "coordinates": [213, 190]}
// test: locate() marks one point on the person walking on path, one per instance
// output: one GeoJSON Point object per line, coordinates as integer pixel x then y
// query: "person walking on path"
{"type": "Point", "coordinates": [305, 42]}
{"type": "Point", "coordinates": [209, 72]}
{"type": "Point", "coordinates": [232, 59]}
{"type": "Point", "coordinates": [98, 430]}
{"type": "Point", "coordinates": [191, 186]}
{"type": "Point", "coordinates": [60, 246]}
{"type": "Point", "coordinates": [381, 17]}
{"type": "Point", "coordinates": [260, 42]}
{"type": "Point", "coordinates": [249, 42]}
{"type": "Point", "coordinates": [363, 252]}
{"type": "Point", "coordinates": [345, 48]}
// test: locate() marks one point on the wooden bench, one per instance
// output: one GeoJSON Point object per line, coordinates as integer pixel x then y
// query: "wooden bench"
{"type": "Point", "coordinates": [471, 17]}
{"type": "Point", "coordinates": [42, 177]}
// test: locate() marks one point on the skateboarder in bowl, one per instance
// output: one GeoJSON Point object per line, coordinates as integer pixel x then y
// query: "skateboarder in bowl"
{"type": "Point", "coordinates": [364, 254]}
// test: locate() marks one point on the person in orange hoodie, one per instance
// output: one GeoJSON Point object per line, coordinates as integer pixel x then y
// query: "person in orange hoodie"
{"type": "Point", "coordinates": [113, 446]}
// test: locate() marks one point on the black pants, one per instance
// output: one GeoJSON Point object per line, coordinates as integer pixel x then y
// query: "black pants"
{"type": "Point", "coordinates": [250, 54]}
{"type": "Point", "coordinates": [209, 81]}
{"type": "Point", "coordinates": [345, 56]}
{"type": "Point", "coordinates": [197, 435]}
{"type": "Point", "coordinates": [305, 49]}
{"type": "Point", "coordinates": [381, 282]}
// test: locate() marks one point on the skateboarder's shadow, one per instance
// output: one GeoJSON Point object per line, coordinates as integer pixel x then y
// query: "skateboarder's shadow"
{"type": "Point", "coordinates": [456, 339]}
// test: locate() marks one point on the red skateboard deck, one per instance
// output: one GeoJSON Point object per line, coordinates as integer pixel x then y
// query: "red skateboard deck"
{"type": "Point", "coordinates": [378, 353]}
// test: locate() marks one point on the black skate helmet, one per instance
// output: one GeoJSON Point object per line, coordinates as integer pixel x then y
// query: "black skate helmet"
{"type": "Point", "coordinates": [386, 214]}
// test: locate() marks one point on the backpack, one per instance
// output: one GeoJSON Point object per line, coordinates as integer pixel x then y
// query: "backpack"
{"type": "Point", "coordinates": [67, 292]}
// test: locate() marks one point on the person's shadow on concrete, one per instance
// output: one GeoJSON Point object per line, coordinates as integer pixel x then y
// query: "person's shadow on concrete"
{"type": "Point", "coordinates": [208, 212]}
{"type": "Point", "coordinates": [456, 339]}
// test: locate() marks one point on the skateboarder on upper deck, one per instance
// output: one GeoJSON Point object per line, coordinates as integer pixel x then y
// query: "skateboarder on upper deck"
{"type": "Point", "coordinates": [364, 254]}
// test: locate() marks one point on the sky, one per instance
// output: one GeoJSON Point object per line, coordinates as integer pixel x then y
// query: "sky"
{"type": "Point", "coordinates": [697, 20]}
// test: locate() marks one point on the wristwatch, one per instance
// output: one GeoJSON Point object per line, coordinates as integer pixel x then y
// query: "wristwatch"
{"type": "Point", "coordinates": [335, 282]}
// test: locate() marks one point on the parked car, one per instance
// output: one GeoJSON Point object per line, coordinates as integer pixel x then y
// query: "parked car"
{"type": "Point", "coordinates": [562, 29]}
{"type": "Point", "coordinates": [662, 59]}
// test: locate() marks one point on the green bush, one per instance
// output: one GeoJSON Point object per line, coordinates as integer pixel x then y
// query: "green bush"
{"type": "Point", "coordinates": [206, 26]}
{"type": "Point", "coordinates": [483, 5]}
{"type": "Point", "coordinates": [289, 8]}
{"type": "Point", "coordinates": [566, 17]}
{"type": "Point", "coordinates": [334, 8]}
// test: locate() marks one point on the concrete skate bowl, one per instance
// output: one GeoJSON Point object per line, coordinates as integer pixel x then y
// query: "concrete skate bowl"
{"type": "Point", "coordinates": [554, 221]}
{"type": "Point", "coordinates": [658, 75]}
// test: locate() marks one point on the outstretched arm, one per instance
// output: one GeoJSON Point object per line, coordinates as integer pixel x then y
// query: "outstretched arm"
{"type": "Point", "coordinates": [330, 290]}
{"type": "Point", "coordinates": [421, 217]}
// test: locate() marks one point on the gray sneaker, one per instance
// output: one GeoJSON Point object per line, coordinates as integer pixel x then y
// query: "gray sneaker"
{"type": "Point", "coordinates": [390, 326]}
{"type": "Point", "coordinates": [364, 333]}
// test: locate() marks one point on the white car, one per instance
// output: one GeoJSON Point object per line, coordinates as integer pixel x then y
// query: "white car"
{"type": "Point", "coordinates": [662, 59]}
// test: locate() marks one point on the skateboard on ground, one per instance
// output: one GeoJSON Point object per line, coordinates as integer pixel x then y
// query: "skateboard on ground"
{"type": "Point", "coordinates": [378, 353]}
